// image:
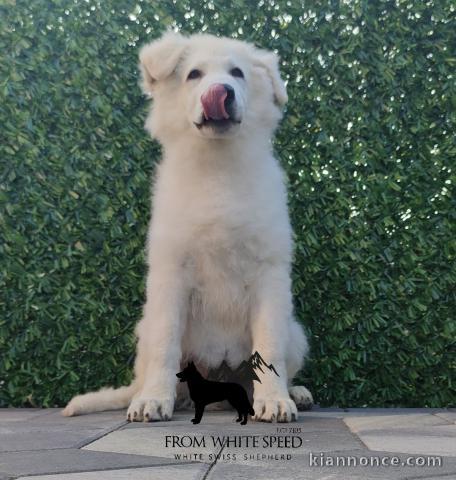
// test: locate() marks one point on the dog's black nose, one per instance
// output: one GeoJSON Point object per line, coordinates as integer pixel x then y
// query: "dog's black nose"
{"type": "Point", "coordinates": [229, 94]}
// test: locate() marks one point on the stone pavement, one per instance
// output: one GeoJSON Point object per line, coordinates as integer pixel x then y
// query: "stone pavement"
{"type": "Point", "coordinates": [325, 444]}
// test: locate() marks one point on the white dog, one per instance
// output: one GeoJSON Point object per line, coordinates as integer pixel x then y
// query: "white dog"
{"type": "Point", "coordinates": [219, 242]}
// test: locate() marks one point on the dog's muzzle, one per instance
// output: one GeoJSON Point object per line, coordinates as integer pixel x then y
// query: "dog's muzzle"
{"type": "Point", "coordinates": [218, 103]}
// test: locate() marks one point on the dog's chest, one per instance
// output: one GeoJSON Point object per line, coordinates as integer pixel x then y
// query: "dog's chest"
{"type": "Point", "coordinates": [224, 252]}
{"type": "Point", "coordinates": [231, 238]}
{"type": "Point", "coordinates": [225, 225]}
{"type": "Point", "coordinates": [222, 275]}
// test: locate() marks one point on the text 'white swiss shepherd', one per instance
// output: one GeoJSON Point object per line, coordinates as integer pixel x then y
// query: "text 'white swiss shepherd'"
{"type": "Point", "coordinates": [219, 241]}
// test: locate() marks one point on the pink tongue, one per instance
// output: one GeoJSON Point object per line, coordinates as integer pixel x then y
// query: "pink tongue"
{"type": "Point", "coordinates": [213, 101]}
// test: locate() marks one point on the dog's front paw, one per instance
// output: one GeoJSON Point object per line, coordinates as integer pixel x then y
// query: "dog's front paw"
{"type": "Point", "coordinates": [275, 410]}
{"type": "Point", "coordinates": [195, 421]}
{"type": "Point", "coordinates": [150, 409]}
{"type": "Point", "coordinates": [302, 397]}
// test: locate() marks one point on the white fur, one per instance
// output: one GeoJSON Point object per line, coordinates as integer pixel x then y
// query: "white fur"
{"type": "Point", "coordinates": [219, 242]}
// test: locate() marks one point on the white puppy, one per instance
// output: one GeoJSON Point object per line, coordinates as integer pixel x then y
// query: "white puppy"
{"type": "Point", "coordinates": [219, 242]}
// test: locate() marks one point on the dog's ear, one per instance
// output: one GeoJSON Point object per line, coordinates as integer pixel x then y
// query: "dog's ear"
{"type": "Point", "coordinates": [270, 62]}
{"type": "Point", "coordinates": [159, 59]}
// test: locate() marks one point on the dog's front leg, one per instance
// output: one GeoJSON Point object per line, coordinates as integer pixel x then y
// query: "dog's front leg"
{"type": "Point", "coordinates": [270, 327]}
{"type": "Point", "coordinates": [159, 345]}
{"type": "Point", "coordinates": [199, 410]}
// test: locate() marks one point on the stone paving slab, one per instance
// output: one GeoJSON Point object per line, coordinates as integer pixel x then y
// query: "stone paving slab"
{"type": "Point", "coordinates": [13, 464]}
{"type": "Point", "coordinates": [47, 429]}
{"type": "Point", "coordinates": [364, 465]}
{"type": "Point", "coordinates": [104, 446]}
{"type": "Point", "coordinates": [168, 472]}
{"type": "Point", "coordinates": [436, 442]}
{"type": "Point", "coordinates": [10, 415]}
{"type": "Point", "coordinates": [54, 415]}
{"type": "Point", "coordinates": [393, 422]}
{"type": "Point", "coordinates": [151, 438]}
{"type": "Point", "coordinates": [368, 412]}
{"type": "Point", "coordinates": [100, 420]}
{"type": "Point", "coordinates": [151, 441]}
{"type": "Point", "coordinates": [443, 477]}
{"type": "Point", "coordinates": [43, 439]}
{"type": "Point", "coordinates": [415, 433]}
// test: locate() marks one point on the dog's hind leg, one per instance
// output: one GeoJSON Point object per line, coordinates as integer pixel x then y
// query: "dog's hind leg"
{"type": "Point", "coordinates": [245, 419]}
{"type": "Point", "coordinates": [296, 352]}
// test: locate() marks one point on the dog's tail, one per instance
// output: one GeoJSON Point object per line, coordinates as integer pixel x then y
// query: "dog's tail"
{"type": "Point", "coordinates": [104, 399]}
{"type": "Point", "coordinates": [251, 411]}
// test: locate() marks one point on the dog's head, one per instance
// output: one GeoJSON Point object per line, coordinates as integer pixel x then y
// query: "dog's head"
{"type": "Point", "coordinates": [187, 373]}
{"type": "Point", "coordinates": [210, 87]}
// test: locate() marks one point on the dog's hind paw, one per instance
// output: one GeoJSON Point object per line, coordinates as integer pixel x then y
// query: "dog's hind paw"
{"type": "Point", "coordinates": [150, 409]}
{"type": "Point", "coordinates": [302, 397]}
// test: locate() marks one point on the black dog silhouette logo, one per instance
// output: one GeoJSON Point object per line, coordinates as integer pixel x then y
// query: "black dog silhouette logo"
{"type": "Point", "coordinates": [203, 391]}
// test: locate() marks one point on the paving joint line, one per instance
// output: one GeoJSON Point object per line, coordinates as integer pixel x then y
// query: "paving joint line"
{"type": "Point", "coordinates": [93, 438]}
{"type": "Point", "coordinates": [355, 435]}
{"type": "Point", "coordinates": [131, 467]}
{"type": "Point", "coordinates": [438, 475]}
{"type": "Point", "coordinates": [438, 415]}
{"type": "Point", "coordinates": [212, 465]}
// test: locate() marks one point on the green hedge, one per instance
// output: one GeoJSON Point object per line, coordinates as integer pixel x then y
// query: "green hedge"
{"type": "Point", "coordinates": [368, 144]}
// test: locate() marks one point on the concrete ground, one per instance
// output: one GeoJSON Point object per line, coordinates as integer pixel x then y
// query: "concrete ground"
{"type": "Point", "coordinates": [325, 444]}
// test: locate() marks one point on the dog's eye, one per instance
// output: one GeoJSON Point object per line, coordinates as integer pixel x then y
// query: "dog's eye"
{"type": "Point", "coordinates": [193, 74]}
{"type": "Point", "coordinates": [237, 72]}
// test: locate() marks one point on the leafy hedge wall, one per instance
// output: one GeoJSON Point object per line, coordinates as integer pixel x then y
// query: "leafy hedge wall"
{"type": "Point", "coordinates": [368, 143]}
